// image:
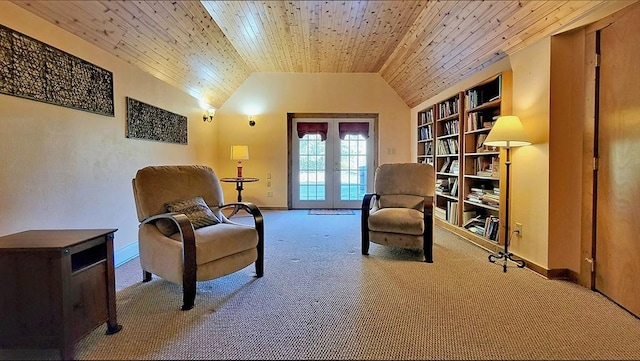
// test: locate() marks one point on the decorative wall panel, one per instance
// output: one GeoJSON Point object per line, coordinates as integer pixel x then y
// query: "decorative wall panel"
{"type": "Point", "coordinates": [34, 70]}
{"type": "Point", "coordinates": [145, 121]}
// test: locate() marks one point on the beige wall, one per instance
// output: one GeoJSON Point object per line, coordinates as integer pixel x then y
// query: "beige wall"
{"type": "Point", "coordinates": [530, 165]}
{"type": "Point", "coordinates": [272, 95]}
{"type": "Point", "coordinates": [65, 168]}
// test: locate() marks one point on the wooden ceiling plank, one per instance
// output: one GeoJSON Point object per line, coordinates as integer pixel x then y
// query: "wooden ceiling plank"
{"type": "Point", "coordinates": [77, 21]}
{"type": "Point", "coordinates": [431, 17]}
{"type": "Point", "coordinates": [212, 66]}
{"type": "Point", "coordinates": [444, 52]}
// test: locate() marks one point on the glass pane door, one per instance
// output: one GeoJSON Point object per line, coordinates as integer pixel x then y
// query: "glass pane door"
{"type": "Point", "coordinates": [329, 172]}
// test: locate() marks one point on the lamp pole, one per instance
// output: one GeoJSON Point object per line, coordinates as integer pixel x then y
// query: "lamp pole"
{"type": "Point", "coordinates": [505, 255]}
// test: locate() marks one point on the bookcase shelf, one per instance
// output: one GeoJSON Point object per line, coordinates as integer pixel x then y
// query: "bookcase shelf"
{"type": "Point", "coordinates": [448, 164]}
{"type": "Point", "coordinates": [425, 136]}
{"type": "Point", "coordinates": [468, 198]}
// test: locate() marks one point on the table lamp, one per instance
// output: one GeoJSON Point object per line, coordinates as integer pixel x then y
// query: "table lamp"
{"type": "Point", "coordinates": [506, 133]}
{"type": "Point", "coordinates": [239, 153]}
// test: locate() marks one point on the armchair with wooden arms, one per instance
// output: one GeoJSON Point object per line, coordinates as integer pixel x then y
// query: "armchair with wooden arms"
{"type": "Point", "coordinates": [399, 212]}
{"type": "Point", "coordinates": [184, 237]}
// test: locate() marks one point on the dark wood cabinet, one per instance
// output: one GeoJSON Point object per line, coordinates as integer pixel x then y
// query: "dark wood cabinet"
{"type": "Point", "coordinates": [56, 287]}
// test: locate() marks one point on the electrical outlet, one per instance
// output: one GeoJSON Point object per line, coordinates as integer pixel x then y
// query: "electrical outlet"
{"type": "Point", "coordinates": [269, 194]}
{"type": "Point", "coordinates": [519, 228]}
{"type": "Point", "coordinates": [268, 183]}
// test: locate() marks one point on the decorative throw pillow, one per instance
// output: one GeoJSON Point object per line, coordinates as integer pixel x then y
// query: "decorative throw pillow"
{"type": "Point", "coordinates": [194, 208]}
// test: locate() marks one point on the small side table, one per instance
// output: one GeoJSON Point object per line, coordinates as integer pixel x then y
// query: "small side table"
{"type": "Point", "coordinates": [239, 187]}
{"type": "Point", "coordinates": [57, 286]}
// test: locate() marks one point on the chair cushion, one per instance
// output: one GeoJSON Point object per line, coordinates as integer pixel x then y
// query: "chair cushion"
{"type": "Point", "coordinates": [223, 240]}
{"type": "Point", "coordinates": [401, 201]}
{"type": "Point", "coordinates": [194, 208]}
{"type": "Point", "coordinates": [397, 220]}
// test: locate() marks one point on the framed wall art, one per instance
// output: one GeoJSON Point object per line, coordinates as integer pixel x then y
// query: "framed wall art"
{"type": "Point", "coordinates": [148, 122]}
{"type": "Point", "coordinates": [34, 70]}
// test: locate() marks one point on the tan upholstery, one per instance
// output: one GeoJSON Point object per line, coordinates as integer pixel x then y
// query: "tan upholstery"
{"type": "Point", "coordinates": [399, 213]}
{"type": "Point", "coordinates": [192, 255]}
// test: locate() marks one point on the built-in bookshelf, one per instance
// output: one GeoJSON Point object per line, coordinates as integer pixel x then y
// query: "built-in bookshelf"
{"type": "Point", "coordinates": [481, 197]}
{"type": "Point", "coordinates": [468, 180]}
{"type": "Point", "coordinates": [425, 136]}
{"type": "Point", "coordinates": [448, 161]}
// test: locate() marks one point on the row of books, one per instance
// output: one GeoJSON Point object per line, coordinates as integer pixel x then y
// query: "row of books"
{"type": "Point", "coordinates": [484, 94]}
{"type": "Point", "coordinates": [448, 146]}
{"type": "Point", "coordinates": [450, 166]}
{"type": "Point", "coordinates": [450, 127]}
{"type": "Point", "coordinates": [452, 212]}
{"type": "Point", "coordinates": [448, 107]}
{"type": "Point", "coordinates": [479, 120]}
{"type": "Point", "coordinates": [426, 132]}
{"type": "Point", "coordinates": [487, 166]}
{"type": "Point", "coordinates": [447, 186]}
{"type": "Point", "coordinates": [426, 116]}
{"type": "Point", "coordinates": [428, 148]}
{"type": "Point", "coordinates": [481, 147]}
{"type": "Point", "coordinates": [485, 226]}
{"type": "Point", "coordinates": [484, 196]}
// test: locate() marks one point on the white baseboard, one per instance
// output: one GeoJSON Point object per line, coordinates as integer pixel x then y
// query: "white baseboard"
{"type": "Point", "coordinates": [125, 254]}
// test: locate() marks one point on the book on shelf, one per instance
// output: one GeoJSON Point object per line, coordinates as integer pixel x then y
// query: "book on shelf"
{"type": "Point", "coordinates": [455, 167]}
{"type": "Point", "coordinates": [477, 220]}
{"type": "Point", "coordinates": [442, 186]}
{"type": "Point", "coordinates": [483, 196]}
{"type": "Point", "coordinates": [454, 186]}
{"type": "Point", "coordinates": [426, 116]}
{"type": "Point", "coordinates": [495, 167]}
{"type": "Point", "coordinates": [451, 127]}
{"type": "Point", "coordinates": [428, 148]}
{"type": "Point", "coordinates": [467, 215]}
{"type": "Point", "coordinates": [492, 224]}
{"type": "Point", "coordinates": [445, 165]}
{"type": "Point", "coordinates": [483, 225]}
{"type": "Point", "coordinates": [480, 142]}
{"type": "Point", "coordinates": [440, 212]}
{"type": "Point", "coordinates": [448, 107]}
{"type": "Point", "coordinates": [452, 212]}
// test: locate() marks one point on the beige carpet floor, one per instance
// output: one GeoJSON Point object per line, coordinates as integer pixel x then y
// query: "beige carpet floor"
{"type": "Point", "coordinates": [321, 299]}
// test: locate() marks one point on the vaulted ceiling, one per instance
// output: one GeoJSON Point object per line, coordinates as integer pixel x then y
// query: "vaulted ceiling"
{"type": "Point", "coordinates": [208, 48]}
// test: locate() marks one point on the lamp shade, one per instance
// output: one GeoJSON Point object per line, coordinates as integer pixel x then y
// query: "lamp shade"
{"type": "Point", "coordinates": [239, 152]}
{"type": "Point", "coordinates": [507, 132]}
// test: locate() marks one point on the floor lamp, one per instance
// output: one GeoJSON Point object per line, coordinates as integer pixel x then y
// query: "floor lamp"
{"type": "Point", "coordinates": [507, 133]}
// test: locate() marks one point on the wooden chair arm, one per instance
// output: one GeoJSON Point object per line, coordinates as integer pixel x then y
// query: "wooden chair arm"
{"type": "Point", "coordinates": [188, 253]}
{"type": "Point", "coordinates": [259, 225]}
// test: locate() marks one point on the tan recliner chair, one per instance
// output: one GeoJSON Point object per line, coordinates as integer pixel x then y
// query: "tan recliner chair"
{"type": "Point", "coordinates": [183, 236]}
{"type": "Point", "coordinates": [400, 211]}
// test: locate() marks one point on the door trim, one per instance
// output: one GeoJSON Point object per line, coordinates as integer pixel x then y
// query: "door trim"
{"type": "Point", "coordinates": [291, 116]}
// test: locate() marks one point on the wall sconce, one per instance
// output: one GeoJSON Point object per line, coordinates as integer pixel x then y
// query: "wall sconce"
{"type": "Point", "coordinates": [252, 120]}
{"type": "Point", "coordinates": [208, 116]}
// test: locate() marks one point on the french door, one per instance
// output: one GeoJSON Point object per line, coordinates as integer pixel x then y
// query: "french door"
{"type": "Point", "coordinates": [332, 162]}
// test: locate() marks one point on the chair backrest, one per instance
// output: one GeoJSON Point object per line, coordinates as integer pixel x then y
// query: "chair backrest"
{"type": "Point", "coordinates": [154, 186]}
{"type": "Point", "coordinates": [404, 185]}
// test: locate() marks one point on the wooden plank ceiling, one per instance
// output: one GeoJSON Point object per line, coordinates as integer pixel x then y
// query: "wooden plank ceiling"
{"type": "Point", "coordinates": [209, 48]}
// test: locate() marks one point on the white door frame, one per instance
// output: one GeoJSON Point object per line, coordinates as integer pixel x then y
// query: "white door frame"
{"type": "Point", "coordinates": [332, 174]}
